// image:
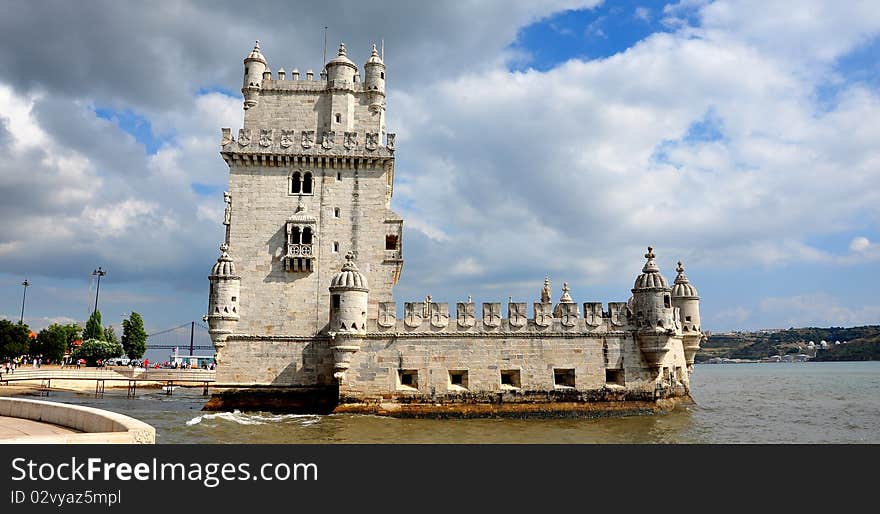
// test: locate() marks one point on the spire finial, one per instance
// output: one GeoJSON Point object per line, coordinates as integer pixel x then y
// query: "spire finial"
{"type": "Point", "coordinates": [341, 48]}
{"type": "Point", "coordinates": [224, 248]}
{"type": "Point", "coordinates": [257, 45]}
{"type": "Point", "coordinates": [650, 254]}
{"type": "Point", "coordinates": [545, 291]}
{"type": "Point", "coordinates": [374, 53]}
{"type": "Point", "coordinates": [349, 257]}
{"type": "Point", "coordinates": [680, 268]}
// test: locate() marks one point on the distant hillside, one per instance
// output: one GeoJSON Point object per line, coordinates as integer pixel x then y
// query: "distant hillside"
{"type": "Point", "coordinates": [867, 349]}
{"type": "Point", "coordinates": [863, 343]}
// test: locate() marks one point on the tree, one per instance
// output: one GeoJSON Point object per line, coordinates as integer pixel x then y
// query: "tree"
{"type": "Point", "coordinates": [93, 328]}
{"type": "Point", "coordinates": [14, 339]}
{"type": "Point", "coordinates": [134, 337]}
{"type": "Point", "coordinates": [110, 334]}
{"type": "Point", "coordinates": [93, 350]}
{"type": "Point", "coordinates": [52, 342]}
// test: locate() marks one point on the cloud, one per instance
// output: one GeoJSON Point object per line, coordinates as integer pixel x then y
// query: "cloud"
{"type": "Point", "coordinates": [642, 13]}
{"type": "Point", "coordinates": [818, 309]}
{"type": "Point", "coordinates": [859, 244]}
{"type": "Point", "coordinates": [708, 141]}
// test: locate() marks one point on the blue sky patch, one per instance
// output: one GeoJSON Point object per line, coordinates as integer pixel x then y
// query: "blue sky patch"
{"type": "Point", "coordinates": [217, 89]}
{"type": "Point", "coordinates": [587, 34]}
{"type": "Point", "coordinates": [136, 125]}
{"type": "Point", "coordinates": [205, 189]}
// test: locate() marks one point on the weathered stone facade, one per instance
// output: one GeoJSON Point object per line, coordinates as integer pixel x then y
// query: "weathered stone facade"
{"type": "Point", "coordinates": [312, 253]}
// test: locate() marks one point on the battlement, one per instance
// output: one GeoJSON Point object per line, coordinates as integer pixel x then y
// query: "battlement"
{"type": "Point", "coordinates": [433, 318]}
{"type": "Point", "coordinates": [307, 142]}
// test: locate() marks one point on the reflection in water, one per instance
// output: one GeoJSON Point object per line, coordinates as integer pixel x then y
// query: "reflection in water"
{"type": "Point", "coordinates": [737, 403]}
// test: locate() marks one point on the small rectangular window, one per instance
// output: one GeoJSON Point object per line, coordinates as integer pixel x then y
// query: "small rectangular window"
{"type": "Point", "coordinates": [458, 380]}
{"type": "Point", "coordinates": [234, 298]}
{"type": "Point", "coordinates": [563, 377]}
{"type": "Point", "coordinates": [336, 212]}
{"type": "Point", "coordinates": [615, 376]}
{"type": "Point", "coordinates": [408, 379]}
{"type": "Point", "coordinates": [334, 301]}
{"type": "Point", "coordinates": [687, 318]}
{"type": "Point", "coordinates": [335, 246]}
{"type": "Point", "coordinates": [391, 242]}
{"type": "Point", "coordinates": [510, 379]}
{"type": "Point", "coordinates": [338, 175]}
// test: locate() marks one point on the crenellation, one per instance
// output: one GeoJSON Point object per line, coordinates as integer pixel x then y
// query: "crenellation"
{"type": "Point", "coordinates": [301, 297]}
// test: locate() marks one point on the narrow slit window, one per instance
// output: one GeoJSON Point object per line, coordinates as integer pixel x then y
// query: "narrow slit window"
{"type": "Point", "coordinates": [338, 118]}
{"type": "Point", "coordinates": [336, 212]}
{"type": "Point", "coordinates": [335, 246]}
{"type": "Point", "coordinates": [334, 301]}
{"type": "Point", "coordinates": [666, 301]}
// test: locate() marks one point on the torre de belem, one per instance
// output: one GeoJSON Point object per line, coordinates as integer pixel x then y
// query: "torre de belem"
{"type": "Point", "coordinates": [301, 308]}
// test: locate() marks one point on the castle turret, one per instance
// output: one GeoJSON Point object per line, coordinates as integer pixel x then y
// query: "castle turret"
{"type": "Point", "coordinates": [652, 311]}
{"type": "Point", "coordinates": [686, 299]}
{"type": "Point", "coordinates": [223, 307]}
{"type": "Point", "coordinates": [341, 68]}
{"type": "Point", "coordinates": [348, 313]}
{"type": "Point", "coordinates": [374, 84]}
{"type": "Point", "coordinates": [348, 299]}
{"type": "Point", "coordinates": [254, 66]}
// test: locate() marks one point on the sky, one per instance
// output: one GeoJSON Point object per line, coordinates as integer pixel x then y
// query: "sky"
{"type": "Point", "coordinates": [556, 138]}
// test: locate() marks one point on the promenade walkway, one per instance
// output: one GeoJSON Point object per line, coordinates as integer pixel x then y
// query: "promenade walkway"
{"type": "Point", "coordinates": [15, 428]}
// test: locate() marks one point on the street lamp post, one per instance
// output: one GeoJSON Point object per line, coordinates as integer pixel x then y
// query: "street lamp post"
{"type": "Point", "coordinates": [23, 296]}
{"type": "Point", "coordinates": [99, 273]}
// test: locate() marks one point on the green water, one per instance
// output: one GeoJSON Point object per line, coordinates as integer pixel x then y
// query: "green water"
{"type": "Point", "coordinates": [822, 402]}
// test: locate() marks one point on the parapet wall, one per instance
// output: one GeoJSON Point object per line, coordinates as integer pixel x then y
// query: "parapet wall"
{"type": "Point", "coordinates": [96, 426]}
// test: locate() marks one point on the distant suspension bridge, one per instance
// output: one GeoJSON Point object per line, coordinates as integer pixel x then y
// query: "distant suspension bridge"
{"type": "Point", "coordinates": [192, 335]}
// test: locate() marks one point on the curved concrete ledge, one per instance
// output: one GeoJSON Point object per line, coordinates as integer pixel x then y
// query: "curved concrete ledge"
{"type": "Point", "coordinates": [93, 425]}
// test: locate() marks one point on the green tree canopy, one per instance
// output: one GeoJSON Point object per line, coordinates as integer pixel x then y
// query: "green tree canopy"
{"type": "Point", "coordinates": [53, 341]}
{"type": "Point", "coordinates": [93, 350]}
{"type": "Point", "coordinates": [134, 337]}
{"type": "Point", "coordinates": [93, 328]}
{"type": "Point", "coordinates": [110, 334]}
{"type": "Point", "coordinates": [14, 339]}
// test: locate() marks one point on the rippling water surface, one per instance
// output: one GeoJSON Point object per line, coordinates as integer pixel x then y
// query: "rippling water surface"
{"type": "Point", "coordinates": [822, 402]}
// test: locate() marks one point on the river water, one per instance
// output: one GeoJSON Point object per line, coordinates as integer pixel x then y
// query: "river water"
{"type": "Point", "coordinates": [813, 402]}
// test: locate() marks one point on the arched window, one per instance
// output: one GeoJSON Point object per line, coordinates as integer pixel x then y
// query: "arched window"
{"type": "Point", "coordinates": [307, 236]}
{"type": "Point", "coordinates": [294, 235]}
{"type": "Point", "coordinates": [338, 118]}
{"type": "Point", "coordinates": [307, 184]}
{"type": "Point", "coordinates": [295, 183]}
{"type": "Point", "coordinates": [336, 212]}
{"type": "Point", "coordinates": [666, 302]}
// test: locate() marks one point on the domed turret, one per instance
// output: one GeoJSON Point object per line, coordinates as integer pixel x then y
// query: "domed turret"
{"type": "Point", "coordinates": [254, 66]}
{"type": "Point", "coordinates": [374, 81]}
{"type": "Point", "coordinates": [686, 299]}
{"type": "Point", "coordinates": [653, 312]}
{"type": "Point", "coordinates": [223, 306]}
{"type": "Point", "coordinates": [341, 67]}
{"type": "Point", "coordinates": [349, 293]}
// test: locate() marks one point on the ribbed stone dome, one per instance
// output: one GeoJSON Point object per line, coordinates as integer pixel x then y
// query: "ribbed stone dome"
{"type": "Point", "coordinates": [374, 57]}
{"type": "Point", "coordinates": [650, 276]}
{"type": "Point", "coordinates": [256, 54]}
{"type": "Point", "coordinates": [341, 58]}
{"type": "Point", "coordinates": [225, 266]}
{"type": "Point", "coordinates": [350, 277]}
{"type": "Point", "coordinates": [683, 287]}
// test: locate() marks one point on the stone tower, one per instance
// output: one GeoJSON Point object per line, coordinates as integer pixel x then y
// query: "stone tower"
{"type": "Point", "coordinates": [311, 174]}
{"type": "Point", "coordinates": [223, 298]}
{"type": "Point", "coordinates": [686, 299]}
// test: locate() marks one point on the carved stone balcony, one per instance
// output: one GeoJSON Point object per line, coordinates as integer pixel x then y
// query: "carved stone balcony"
{"type": "Point", "coordinates": [299, 258]}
